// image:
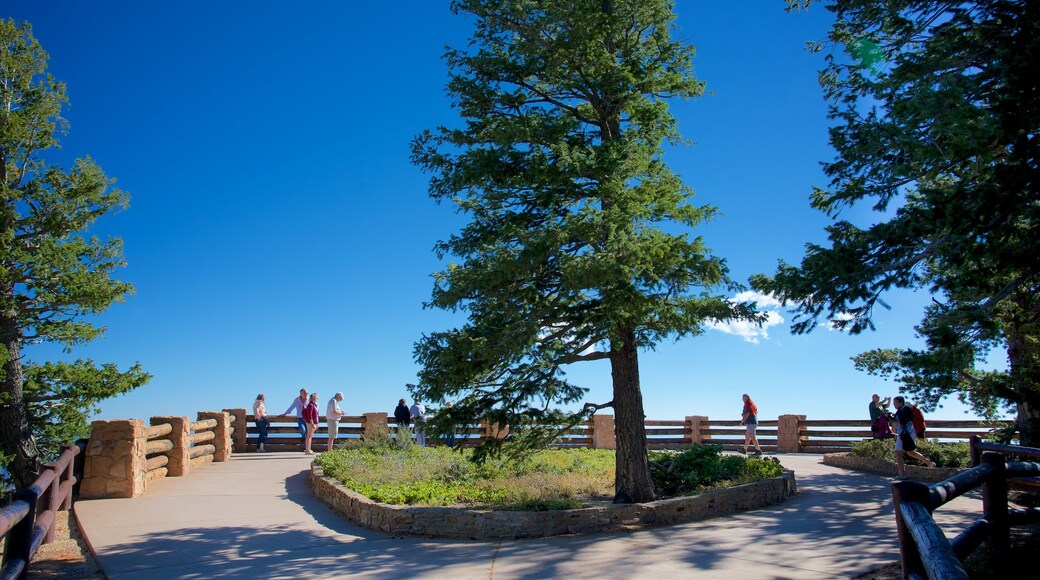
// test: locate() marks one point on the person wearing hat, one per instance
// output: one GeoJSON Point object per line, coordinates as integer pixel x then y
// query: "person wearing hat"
{"type": "Point", "coordinates": [332, 417]}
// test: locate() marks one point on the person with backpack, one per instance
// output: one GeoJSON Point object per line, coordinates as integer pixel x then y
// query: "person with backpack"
{"type": "Point", "coordinates": [906, 439]}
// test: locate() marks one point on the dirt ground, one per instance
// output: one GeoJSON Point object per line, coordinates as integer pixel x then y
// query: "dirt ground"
{"type": "Point", "coordinates": [67, 556]}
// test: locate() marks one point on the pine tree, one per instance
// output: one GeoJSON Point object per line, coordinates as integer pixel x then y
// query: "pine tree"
{"type": "Point", "coordinates": [578, 245]}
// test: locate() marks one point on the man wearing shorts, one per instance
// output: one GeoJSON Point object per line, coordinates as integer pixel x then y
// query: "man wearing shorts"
{"type": "Point", "coordinates": [749, 417]}
{"type": "Point", "coordinates": [906, 439]}
{"type": "Point", "coordinates": [332, 417]}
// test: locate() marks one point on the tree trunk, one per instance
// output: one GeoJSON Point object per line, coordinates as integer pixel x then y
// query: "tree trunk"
{"type": "Point", "coordinates": [632, 469]}
{"type": "Point", "coordinates": [16, 440]}
{"type": "Point", "coordinates": [1029, 424]}
{"type": "Point", "coordinates": [1024, 365]}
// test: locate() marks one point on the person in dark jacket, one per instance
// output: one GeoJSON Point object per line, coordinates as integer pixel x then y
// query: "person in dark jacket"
{"type": "Point", "coordinates": [402, 414]}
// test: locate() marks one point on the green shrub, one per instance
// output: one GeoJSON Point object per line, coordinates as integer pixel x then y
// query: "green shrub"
{"type": "Point", "coordinates": [698, 468]}
{"type": "Point", "coordinates": [955, 454]}
{"type": "Point", "coordinates": [438, 476]}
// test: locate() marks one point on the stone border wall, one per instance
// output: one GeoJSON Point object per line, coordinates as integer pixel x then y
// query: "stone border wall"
{"type": "Point", "coordinates": [461, 523]}
{"type": "Point", "coordinates": [883, 467]}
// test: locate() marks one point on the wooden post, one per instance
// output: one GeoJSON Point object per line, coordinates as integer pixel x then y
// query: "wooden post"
{"type": "Point", "coordinates": [69, 474]}
{"type": "Point", "coordinates": [909, 556]}
{"type": "Point", "coordinates": [240, 431]}
{"type": "Point", "coordinates": [222, 434]}
{"type": "Point", "coordinates": [19, 539]}
{"type": "Point", "coordinates": [995, 503]}
{"type": "Point", "coordinates": [976, 453]}
{"type": "Point", "coordinates": [603, 432]}
{"type": "Point", "coordinates": [180, 455]}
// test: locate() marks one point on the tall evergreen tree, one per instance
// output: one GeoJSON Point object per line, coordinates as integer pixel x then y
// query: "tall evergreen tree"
{"type": "Point", "coordinates": [937, 124]}
{"type": "Point", "coordinates": [51, 274]}
{"type": "Point", "coordinates": [578, 245]}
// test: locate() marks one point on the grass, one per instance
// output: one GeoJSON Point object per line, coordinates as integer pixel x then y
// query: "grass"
{"type": "Point", "coordinates": [546, 480]}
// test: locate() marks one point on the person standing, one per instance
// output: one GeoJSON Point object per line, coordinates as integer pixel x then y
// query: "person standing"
{"type": "Point", "coordinates": [919, 424]}
{"type": "Point", "coordinates": [749, 418]}
{"type": "Point", "coordinates": [906, 440]}
{"type": "Point", "coordinates": [332, 417]}
{"type": "Point", "coordinates": [402, 416]}
{"type": "Point", "coordinates": [310, 420]}
{"type": "Point", "coordinates": [262, 422]}
{"type": "Point", "coordinates": [298, 405]}
{"type": "Point", "coordinates": [877, 409]}
{"type": "Point", "coordinates": [418, 416]}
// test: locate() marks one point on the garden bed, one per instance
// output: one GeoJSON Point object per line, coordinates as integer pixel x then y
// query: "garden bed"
{"type": "Point", "coordinates": [483, 524]}
{"type": "Point", "coordinates": [884, 467]}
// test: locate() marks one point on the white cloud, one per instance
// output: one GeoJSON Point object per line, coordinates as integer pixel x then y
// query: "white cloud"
{"type": "Point", "coordinates": [749, 331]}
{"type": "Point", "coordinates": [832, 324]}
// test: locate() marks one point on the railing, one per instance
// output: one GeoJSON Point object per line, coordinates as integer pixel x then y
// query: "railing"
{"type": "Point", "coordinates": [924, 550]}
{"type": "Point", "coordinates": [786, 434]}
{"type": "Point", "coordinates": [123, 456]}
{"type": "Point", "coordinates": [832, 436]}
{"type": "Point", "coordinates": [29, 521]}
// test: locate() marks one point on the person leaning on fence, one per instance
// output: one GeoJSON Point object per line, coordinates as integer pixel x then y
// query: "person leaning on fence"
{"type": "Point", "coordinates": [418, 414]}
{"type": "Point", "coordinates": [310, 419]}
{"type": "Point", "coordinates": [906, 439]}
{"type": "Point", "coordinates": [298, 405]}
{"type": "Point", "coordinates": [332, 417]}
{"type": "Point", "coordinates": [749, 418]}
{"type": "Point", "coordinates": [402, 415]}
{"type": "Point", "coordinates": [262, 422]}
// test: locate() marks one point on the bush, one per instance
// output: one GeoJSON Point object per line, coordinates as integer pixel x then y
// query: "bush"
{"type": "Point", "coordinates": [439, 476]}
{"type": "Point", "coordinates": [699, 468]}
{"type": "Point", "coordinates": [943, 454]}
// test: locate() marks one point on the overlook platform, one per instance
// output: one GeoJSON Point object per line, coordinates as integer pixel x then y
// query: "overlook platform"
{"type": "Point", "coordinates": [255, 517]}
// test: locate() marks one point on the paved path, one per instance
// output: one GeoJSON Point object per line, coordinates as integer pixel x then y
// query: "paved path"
{"type": "Point", "coordinates": [254, 517]}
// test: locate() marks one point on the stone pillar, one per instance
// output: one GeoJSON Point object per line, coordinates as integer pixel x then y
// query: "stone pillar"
{"type": "Point", "coordinates": [115, 460]}
{"type": "Point", "coordinates": [788, 439]}
{"type": "Point", "coordinates": [375, 421]}
{"type": "Point", "coordinates": [180, 458]}
{"type": "Point", "coordinates": [221, 434]}
{"type": "Point", "coordinates": [496, 431]}
{"type": "Point", "coordinates": [240, 429]}
{"type": "Point", "coordinates": [694, 423]}
{"type": "Point", "coordinates": [603, 432]}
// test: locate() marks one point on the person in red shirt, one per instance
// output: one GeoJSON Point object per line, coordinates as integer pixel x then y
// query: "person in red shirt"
{"type": "Point", "coordinates": [919, 424]}
{"type": "Point", "coordinates": [749, 418]}
{"type": "Point", "coordinates": [310, 419]}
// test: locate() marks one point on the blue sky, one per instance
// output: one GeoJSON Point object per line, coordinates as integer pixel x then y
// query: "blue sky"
{"type": "Point", "coordinates": [278, 235]}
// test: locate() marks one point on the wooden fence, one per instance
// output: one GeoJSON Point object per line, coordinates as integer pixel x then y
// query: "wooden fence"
{"type": "Point", "coordinates": [29, 520]}
{"type": "Point", "coordinates": [924, 550]}
{"type": "Point", "coordinates": [786, 434]}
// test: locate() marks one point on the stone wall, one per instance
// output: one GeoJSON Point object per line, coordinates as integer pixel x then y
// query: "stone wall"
{"type": "Point", "coordinates": [115, 460]}
{"type": "Point", "coordinates": [449, 522]}
{"type": "Point", "coordinates": [883, 467]}
{"type": "Point", "coordinates": [117, 463]}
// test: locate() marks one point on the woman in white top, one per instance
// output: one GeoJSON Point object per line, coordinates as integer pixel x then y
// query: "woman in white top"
{"type": "Point", "coordinates": [262, 422]}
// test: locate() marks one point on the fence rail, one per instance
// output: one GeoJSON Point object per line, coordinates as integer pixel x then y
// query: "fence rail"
{"type": "Point", "coordinates": [924, 550]}
{"type": "Point", "coordinates": [29, 520]}
{"type": "Point", "coordinates": [786, 434]}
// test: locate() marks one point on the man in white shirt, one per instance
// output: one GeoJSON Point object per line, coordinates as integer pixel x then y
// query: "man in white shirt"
{"type": "Point", "coordinates": [418, 412]}
{"type": "Point", "coordinates": [332, 416]}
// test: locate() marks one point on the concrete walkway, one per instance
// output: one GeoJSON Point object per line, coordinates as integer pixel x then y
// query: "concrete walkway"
{"type": "Point", "coordinates": [254, 517]}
